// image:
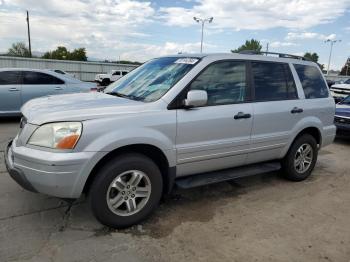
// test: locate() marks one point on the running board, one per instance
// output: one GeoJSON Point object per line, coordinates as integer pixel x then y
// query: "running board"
{"type": "Point", "coordinates": [226, 174]}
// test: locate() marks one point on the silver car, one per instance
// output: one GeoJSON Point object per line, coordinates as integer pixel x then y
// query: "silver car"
{"type": "Point", "coordinates": [185, 120]}
{"type": "Point", "coordinates": [19, 85]}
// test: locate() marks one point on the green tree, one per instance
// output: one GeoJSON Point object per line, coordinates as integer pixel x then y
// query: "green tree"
{"type": "Point", "coordinates": [311, 56]}
{"type": "Point", "coordinates": [62, 53]}
{"type": "Point", "coordinates": [18, 49]}
{"type": "Point", "coordinates": [78, 54]}
{"type": "Point", "coordinates": [251, 45]}
{"type": "Point", "coordinates": [345, 71]}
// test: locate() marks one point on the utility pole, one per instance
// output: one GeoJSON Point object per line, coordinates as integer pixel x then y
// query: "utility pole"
{"type": "Point", "coordinates": [330, 53]}
{"type": "Point", "coordinates": [267, 48]}
{"type": "Point", "coordinates": [200, 20]}
{"type": "Point", "coordinates": [30, 46]}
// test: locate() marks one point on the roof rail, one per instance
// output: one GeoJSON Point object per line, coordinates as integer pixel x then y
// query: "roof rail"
{"type": "Point", "coordinates": [254, 52]}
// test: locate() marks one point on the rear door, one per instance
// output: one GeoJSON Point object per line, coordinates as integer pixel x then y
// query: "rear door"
{"type": "Point", "coordinates": [211, 137]}
{"type": "Point", "coordinates": [37, 84]}
{"type": "Point", "coordinates": [10, 91]}
{"type": "Point", "coordinates": [277, 109]}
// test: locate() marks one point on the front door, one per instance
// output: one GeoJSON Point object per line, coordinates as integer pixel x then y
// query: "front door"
{"type": "Point", "coordinates": [37, 84]}
{"type": "Point", "coordinates": [217, 135]}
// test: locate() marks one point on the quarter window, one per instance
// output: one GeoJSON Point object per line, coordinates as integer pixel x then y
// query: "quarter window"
{"type": "Point", "coordinates": [10, 78]}
{"type": "Point", "coordinates": [312, 81]}
{"type": "Point", "coordinates": [37, 78]}
{"type": "Point", "coordinates": [224, 82]}
{"type": "Point", "coordinates": [273, 81]}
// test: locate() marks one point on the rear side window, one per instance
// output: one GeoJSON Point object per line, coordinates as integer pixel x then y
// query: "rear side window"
{"type": "Point", "coordinates": [37, 78]}
{"type": "Point", "coordinates": [124, 73]}
{"type": "Point", "coordinates": [117, 73]}
{"type": "Point", "coordinates": [312, 81]}
{"type": "Point", "coordinates": [273, 81]}
{"type": "Point", "coordinates": [10, 78]}
{"type": "Point", "coordinates": [224, 82]}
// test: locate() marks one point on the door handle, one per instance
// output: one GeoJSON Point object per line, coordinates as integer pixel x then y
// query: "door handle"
{"type": "Point", "coordinates": [58, 88]}
{"type": "Point", "coordinates": [297, 110]}
{"type": "Point", "coordinates": [241, 115]}
{"type": "Point", "coordinates": [13, 89]}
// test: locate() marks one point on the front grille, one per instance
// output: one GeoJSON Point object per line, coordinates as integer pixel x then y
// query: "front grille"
{"type": "Point", "coordinates": [338, 90]}
{"type": "Point", "coordinates": [341, 120]}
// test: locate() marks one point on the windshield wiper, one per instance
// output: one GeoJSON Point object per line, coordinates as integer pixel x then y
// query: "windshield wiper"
{"type": "Point", "coordinates": [124, 95]}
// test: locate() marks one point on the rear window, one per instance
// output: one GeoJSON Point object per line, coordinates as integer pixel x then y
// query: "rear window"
{"type": "Point", "coordinates": [37, 78]}
{"type": "Point", "coordinates": [10, 78]}
{"type": "Point", "coordinates": [312, 81]}
{"type": "Point", "coordinates": [273, 81]}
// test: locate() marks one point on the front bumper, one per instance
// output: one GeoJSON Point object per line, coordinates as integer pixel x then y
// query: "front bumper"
{"type": "Point", "coordinates": [56, 174]}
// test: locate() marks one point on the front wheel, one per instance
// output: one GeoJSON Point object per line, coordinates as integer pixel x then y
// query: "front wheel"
{"type": "Point", "coordinates": [300, 159]}
{"type": "Point", "coordinates": [126, 191]}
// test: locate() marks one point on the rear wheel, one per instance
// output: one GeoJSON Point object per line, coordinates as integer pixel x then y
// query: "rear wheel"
{"type": "Point", "coordinates": [301, 158]}
{"type": "Point", "coordinates": [126, 191]}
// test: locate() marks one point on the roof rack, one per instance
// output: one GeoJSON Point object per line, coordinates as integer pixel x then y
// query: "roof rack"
{"type": "Point", "coordinates": [253, 52]}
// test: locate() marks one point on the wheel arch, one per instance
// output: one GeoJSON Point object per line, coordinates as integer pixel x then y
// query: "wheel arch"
{"type": "Point", "coordinates": [151, 151]}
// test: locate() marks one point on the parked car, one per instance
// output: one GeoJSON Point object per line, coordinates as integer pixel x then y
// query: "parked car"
{"type": "Point", "coordinates": [340, 91]}
{"type": "Point", "coordinates": [112, 76]}
{"type": "Point", "coordinates": [177, 120]}
{"type": "Point", "coordinates": [19, 85]}
{"type": "Point", "coordinates": [62, 72]}
{"type": "Point", "coordinates": [342, 117]}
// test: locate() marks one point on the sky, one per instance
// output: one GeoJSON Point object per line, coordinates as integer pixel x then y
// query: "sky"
{"type": "Point", "coordinates": [140, 30]}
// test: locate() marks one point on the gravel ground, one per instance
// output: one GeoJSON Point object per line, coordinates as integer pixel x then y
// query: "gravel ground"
{"type": "Point", "coordinates": [261, 218]}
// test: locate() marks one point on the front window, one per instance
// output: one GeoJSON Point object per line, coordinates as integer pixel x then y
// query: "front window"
{"type": "Point", "coordinates": [153, 79]}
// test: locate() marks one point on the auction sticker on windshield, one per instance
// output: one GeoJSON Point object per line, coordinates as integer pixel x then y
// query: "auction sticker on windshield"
{"type": "Point", "coordinates": [187, 60]}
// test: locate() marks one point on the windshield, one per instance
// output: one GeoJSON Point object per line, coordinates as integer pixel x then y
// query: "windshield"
{"type": "Point", "coordinates": [346, 101]}
{"type": "Point", "coordinates": [153, 79]}
{"type": "Point", "coordinates": [347, 81]}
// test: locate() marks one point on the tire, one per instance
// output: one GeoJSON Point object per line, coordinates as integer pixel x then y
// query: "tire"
{"type": "Point", "coordinates": [292, 164]}
{"type": "Point", "coordinates": [120, 172]}
{"type": "Point", "coordinates": [105, 82]}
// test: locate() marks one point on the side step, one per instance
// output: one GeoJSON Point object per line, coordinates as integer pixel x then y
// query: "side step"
{"type": "Point", "coordinates": [226, 174]}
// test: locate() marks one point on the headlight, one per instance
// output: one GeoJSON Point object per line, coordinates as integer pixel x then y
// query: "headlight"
{"type": "Point", "coordinates": [63, 135]}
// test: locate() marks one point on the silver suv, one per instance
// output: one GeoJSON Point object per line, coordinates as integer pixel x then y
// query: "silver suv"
{"type": "Point", "coordinates": [188, 120]}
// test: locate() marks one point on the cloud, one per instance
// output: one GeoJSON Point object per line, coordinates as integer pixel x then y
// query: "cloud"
{"type": "Point", "coordinates": [145, 51]}
{"type": "Point", "coordinates": [102, 26]}
{"type": "Point", "coordinates": [257, 14]}
{"type": "Point", "coordinates": [277, 44]}
{"type": "Point", "coordinates": [309, 35]}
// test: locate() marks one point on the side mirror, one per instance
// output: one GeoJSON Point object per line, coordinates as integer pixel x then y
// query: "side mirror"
{"type": "Point", "coordinates": [196, 98]}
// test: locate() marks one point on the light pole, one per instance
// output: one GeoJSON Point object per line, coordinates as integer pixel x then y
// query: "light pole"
{"type": "Point", "coordinates": [200, 20]}
{"type": "Point", "coordinates": [330, 53]}
{"type": "Point", "coordinates": [30, 46]}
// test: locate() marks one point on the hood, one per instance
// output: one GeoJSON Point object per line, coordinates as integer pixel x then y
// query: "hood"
{"type": "Point", "coordinates": [343, 86]}
{"type": "Point", "coordinates": [342, 110]}
{"type": "Point", "coordinates": [79, 107]}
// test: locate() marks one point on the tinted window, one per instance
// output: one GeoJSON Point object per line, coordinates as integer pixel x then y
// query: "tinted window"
{"type": "Point", "coordinates": [225, 83]}
{"type": "Point", "coordinates": [116, 73]}
{"type": "Point", "coordinates": [273, 81]}
{"type": "Point", "coordinates": [312, 81]}
{"type": "Point", "coordinates": [36, 78]}
{"type": "Point", "coordinates": [347, 81]}
{"type": "Point", "coordinates": [10, 78]}
{"type": "Point", "coordinates": [124, 73]}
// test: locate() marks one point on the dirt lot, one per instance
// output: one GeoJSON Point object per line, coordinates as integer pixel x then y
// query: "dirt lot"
{"type": "Point", "coordinates": [262, 218]}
